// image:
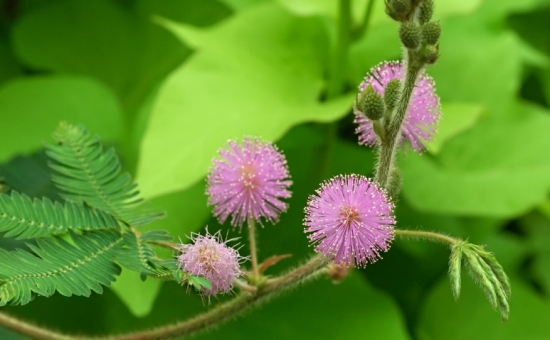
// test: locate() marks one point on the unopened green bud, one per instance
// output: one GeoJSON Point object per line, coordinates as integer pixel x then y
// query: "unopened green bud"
{"type": "Point", "coordinates": [371, 103]}
{"type": "Point", "coordinates": [431, 31]}
{"type": "Point", "coordinates": [391, 94]}
{"type": "Point", "coordinates": [398, 9]}
{"type": "Point", "coordinates": [426, 11]}
{"type": "Point", "coordinates": [431, 54]}
{"type": "Point", "coordinates": [410, 34]}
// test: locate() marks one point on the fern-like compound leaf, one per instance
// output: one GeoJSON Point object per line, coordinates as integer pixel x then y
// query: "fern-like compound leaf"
{"type": "Point", "coordinates": [88, 173]}
{"type": "Point", "coordinates": [56, 265]}
{"type": "Point", "coordinates": [137, 254]}
{"type": "Point", "coordinates": [25, 218]}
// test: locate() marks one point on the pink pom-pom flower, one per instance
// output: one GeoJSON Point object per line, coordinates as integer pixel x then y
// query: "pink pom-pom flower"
{"type": "Point", "coordinates": [210, 257]}
{"type": "Point", "coordinates": [349, 220]}
{"type": "Point", "coordinates": [423, 112]}
{"type": "Point", "coordinates": [248, 182]}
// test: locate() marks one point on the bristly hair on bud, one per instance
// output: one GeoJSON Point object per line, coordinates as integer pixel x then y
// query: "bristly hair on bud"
{"type": "Point", "coordinates": [391, 94]}
{"type": "Point", "coordinates": [210, 257]}
{"type": "Point", "coordinates": [423, 113]}
{"type": "Point", "coordinates": [431, 54]}
{"type": "Point", "coordinates": [370, 103]}
{"type": "Point", "coordinates": [431, 31]}
{"type": "Point", "coordinates": [248, 181]}
{"type": "Point", "coordinates": [398, 10]}
{"type": "Point", "coordinates": [410, 35]}
{"type": "Point", "coordinates": [425, 11]}
{"type": "Point", "coordinates": [350, 220]}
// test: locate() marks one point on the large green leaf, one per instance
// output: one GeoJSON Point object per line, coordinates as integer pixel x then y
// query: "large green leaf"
{"type": "Point", "coordinates": [100, 38]}
{"type": "Point", "coordinates": [472, 318]}
{"type": "Point", "coordinates": [139, 296]}
{"type": "Point", "coordinates": [40, 102]}
{"type": "Point", "coordinates": [25, 218]}
{"type": "Point", "coordinates": [88, 173]}
{"type": "Point", "coordinates": [457, 118]}
{"type": "Point", "coordinates": [485, 171]}
{"type": "Point", "coordinates": [90, 37]}
{"type": "Point", "coordinates": [59, 266]}
{"type": "Point", "coordinates": [241, 81]}
{"type": "Point", "coordinates": [321, 310]}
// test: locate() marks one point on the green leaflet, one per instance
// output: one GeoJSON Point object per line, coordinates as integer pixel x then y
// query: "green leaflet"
{"type": "Point", "coordinates": [70, 269]}
{"type": "Point", "coordinates": [25, 218]}
{"type": "Point", "coordinates": [136, 254]}
{"type": "Point", "coordinates": [87, 173]}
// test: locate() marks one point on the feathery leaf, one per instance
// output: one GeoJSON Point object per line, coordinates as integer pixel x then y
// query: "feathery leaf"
{"type": "Point", "coordinates": [58, 265]}
{"type": "Point", "coordinates": [25, 218]}
{"type": "Point", "coordinates": [88, 173]}
{"type": "Point", "coordinates": [136, 254]}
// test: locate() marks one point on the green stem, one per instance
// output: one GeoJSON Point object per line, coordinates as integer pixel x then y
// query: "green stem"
{"type": "Point", "coordinates": [222, 312]}
{"type": "Point", "coordinates": [388, 150]}
{"type": "Point", "coordinates": [336, 82]}
{"type": "Point", "coordinates": [253, 250]}
{"type": "Point", "coordinates": [340, 55]}
{"type": "Point", "coordinates": [428, 235]}
{"type": "Point", "coordinates": [366, 19]}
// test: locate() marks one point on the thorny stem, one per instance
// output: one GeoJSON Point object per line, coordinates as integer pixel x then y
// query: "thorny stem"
{"type": "Point", "coordinates": [222, 312]}
{"type": "Point", "coordinates": [388, 150]}
{"type": "Point", "coordinates": [253, 251]}
{"type": "Point", "coordinates": [428, 235]}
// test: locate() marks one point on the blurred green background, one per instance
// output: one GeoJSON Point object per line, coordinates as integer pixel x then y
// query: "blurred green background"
{"type": "Point", "coordinates": [167, 82]}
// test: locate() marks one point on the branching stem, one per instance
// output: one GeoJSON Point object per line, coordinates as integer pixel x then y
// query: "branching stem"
{"type": "Point", "coordinates": [388, 150]}
{"type": "Point", "coordinates": [215, 316]}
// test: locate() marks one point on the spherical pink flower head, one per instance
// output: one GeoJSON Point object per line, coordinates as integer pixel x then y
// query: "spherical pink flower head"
{"type": "Point", "coordinates": [423, 113]}
{"type": "Point", "coordinates": [209, 256]}
{"type": "Point", "coordinates": [350, 220]}
{"type": "Point", "coordinates": [248, 182]}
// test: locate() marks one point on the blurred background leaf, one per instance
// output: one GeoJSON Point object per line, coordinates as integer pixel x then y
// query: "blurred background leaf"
{"type": "Point", "coordinates": [167, 82]}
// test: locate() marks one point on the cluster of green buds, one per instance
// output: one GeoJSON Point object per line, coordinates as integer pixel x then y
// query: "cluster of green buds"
{"type": "Point", "coordinates": [417, 33]}
{"type": "Point", "coordinates": [379, 108]}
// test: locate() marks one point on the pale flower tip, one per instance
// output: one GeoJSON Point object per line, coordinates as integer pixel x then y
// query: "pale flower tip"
{"type": "Point", "coordinates": [350, 220]}
{"type": "Point", "coordinates": [249, 182]}
{"type": "Point", "coordinates": [210, 257]}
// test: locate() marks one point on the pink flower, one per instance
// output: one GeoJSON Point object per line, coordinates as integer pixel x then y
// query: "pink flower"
{"type": "Point", "coordinates": [423, 113]}
{"type": "Point", "coordinates": [248, 182]}
{"type": "Point", "coordinates": [210, 257]}
{"type": "Point", "coordinates": [350, 220]}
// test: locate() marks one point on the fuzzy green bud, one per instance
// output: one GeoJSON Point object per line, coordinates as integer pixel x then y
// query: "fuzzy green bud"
{"type": "Point", "coordinates": [455, 265]}
{"type": "Point", "coordinates": [431, 54]}
{"type": "Point", "coordinates": [371, 103]}
{"type": "Point", "coordinates": [410, 35]}
{"type": "Point", "coordinates": [431, 31]}
{"type": "Point", "coordinates": [398, 10]}
{"type": "Point", "coordinates": [391, 94]}
{"type": "Point", "coordinates": [490, 276]}
{"type": "Point", "coordinates": [425, 11]}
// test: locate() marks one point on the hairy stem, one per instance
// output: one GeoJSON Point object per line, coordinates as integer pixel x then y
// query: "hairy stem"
{"type": "Point", "coordinates": [222, 312]}
{"type": "Point", "coordinates": [253, 251]}
{"type": "Point", "coordinates": [388, 150]}
{"type": "Point", "coordinates": [428, 235]}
